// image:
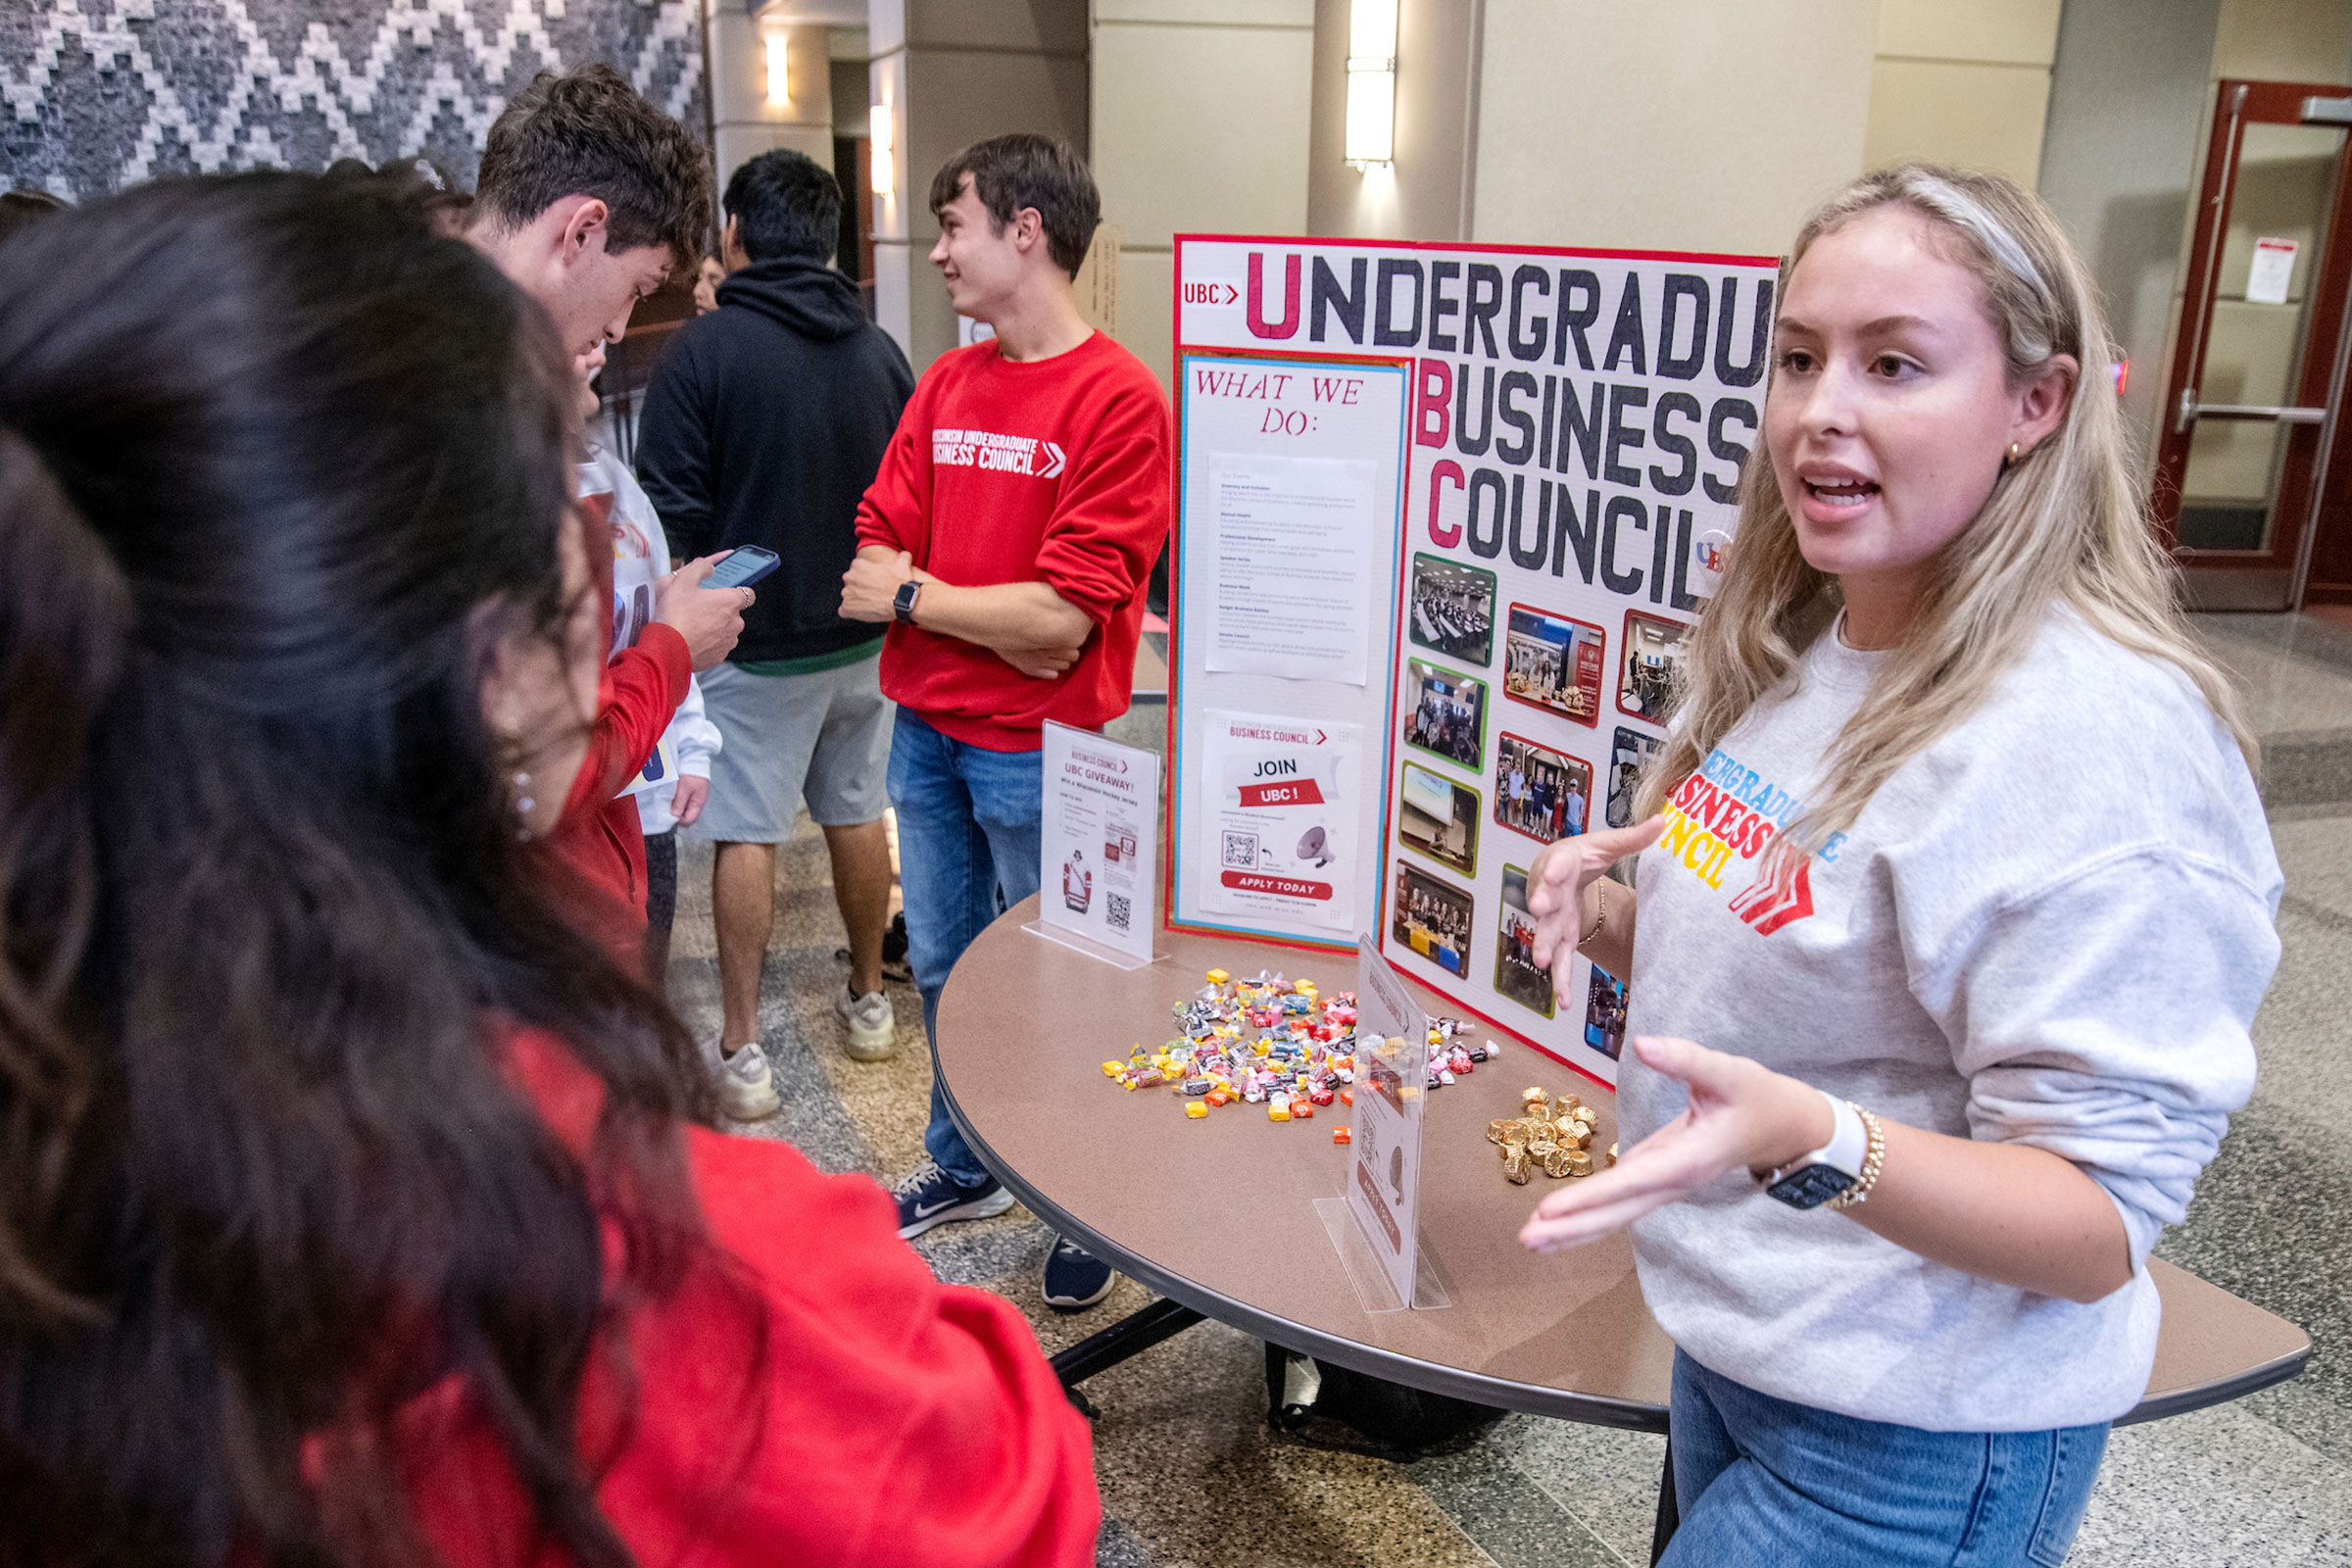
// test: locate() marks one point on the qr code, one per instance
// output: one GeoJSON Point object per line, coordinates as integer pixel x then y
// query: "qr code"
{"type": "Point", "coordinates": [1241, 851]}
{"type": "Point", "coordinates": [1118, 914]}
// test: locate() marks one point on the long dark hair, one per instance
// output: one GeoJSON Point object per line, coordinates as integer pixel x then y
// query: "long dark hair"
{"type": "Point", "coordinates": [276, 464]}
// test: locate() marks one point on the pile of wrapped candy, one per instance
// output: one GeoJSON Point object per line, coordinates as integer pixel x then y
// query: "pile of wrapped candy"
{"type": "Point", "coordinates": [1552, 1136]}
{"type": "Point", "coordinates": [1274, 1042]}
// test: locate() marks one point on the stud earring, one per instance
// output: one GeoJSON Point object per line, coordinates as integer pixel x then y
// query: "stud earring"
{"type": "Point", "coordinates": [2016, 450]}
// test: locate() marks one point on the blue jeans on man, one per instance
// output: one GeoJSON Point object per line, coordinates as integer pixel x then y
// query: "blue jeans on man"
{"type": "Point", "coordinates": [971, 825]}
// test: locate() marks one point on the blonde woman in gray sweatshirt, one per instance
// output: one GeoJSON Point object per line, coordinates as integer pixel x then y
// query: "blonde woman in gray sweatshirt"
{"type": "Point", "coordinates": [1953, 908]}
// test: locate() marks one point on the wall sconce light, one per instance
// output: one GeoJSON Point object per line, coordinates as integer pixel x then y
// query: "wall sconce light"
{"type": "Point", "coordinates": [1371, 82]}
{"type": "Point", "coordinates": [779, 72]}
{"type": "Point", "coordinates": [885, 174]}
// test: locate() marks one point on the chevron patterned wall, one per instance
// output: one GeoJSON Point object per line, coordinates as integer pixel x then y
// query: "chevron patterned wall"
{"type": "Point", "coordinates": [96, 94]}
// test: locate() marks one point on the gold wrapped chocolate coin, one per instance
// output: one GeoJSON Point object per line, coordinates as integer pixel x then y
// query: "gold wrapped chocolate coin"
{"type": "Point", "coordinates": [1612, 1153]}
{"type": "Point", "coordinates": [1541, 1149]}
{"type": "Point", "coordinates": [1496, 1130]}
{"type": "Point", "coordinates": [1579, 1163]}
{"type": "Point", "coordinates": [1528, 1096]}
{"type": "Point", "coordinates": [1514, 1135]}
{"type": "Point", "coordinates": [1586, 1115]}
{"type": "Point", "coordinates": [1518, 1168]}
{"type": "Point", "coordinates": [1582, 1138]}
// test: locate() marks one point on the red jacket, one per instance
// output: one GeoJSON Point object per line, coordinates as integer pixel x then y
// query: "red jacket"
{"type": "Point", "coordinates": [636, 696]}
{"type": "Point", "coordinates": [600, 835]}
{"type": "Point", "coordinates": [1054, 472]}
{"type": "Point", "coordinates": [898, 1419]}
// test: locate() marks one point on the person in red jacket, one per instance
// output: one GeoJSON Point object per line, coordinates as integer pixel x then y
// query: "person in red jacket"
{"type": "Point", "coordinates": [587, 197]}
{"type": "Point", "coordinates": [357, 1208]}
{"type": "Point", "coordinates": [1009, 537]}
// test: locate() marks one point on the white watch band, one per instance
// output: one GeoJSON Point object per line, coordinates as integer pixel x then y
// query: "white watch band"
{"type": "Point", "coordinates": [1848, 1144]}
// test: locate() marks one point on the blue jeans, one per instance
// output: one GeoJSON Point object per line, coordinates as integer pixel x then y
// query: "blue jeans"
{"type": "Point", "coordinates": [970, 830]}
{"type": "Point", "coordinates": [1763, 1482]}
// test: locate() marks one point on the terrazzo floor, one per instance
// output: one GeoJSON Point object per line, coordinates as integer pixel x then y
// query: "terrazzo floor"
{"type": "Point", "coordinates": [1191, 1474]}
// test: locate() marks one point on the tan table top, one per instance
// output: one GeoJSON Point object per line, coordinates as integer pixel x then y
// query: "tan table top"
{"type": "Point", "coordinates": [1218, 1213]}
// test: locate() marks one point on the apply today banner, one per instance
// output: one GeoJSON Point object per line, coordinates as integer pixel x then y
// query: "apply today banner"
{"type": "Point", "coordinates": [1577, 421]}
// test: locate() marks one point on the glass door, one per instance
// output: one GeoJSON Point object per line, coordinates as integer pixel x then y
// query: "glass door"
{"type": "Point", "coordinates": [2257, 368]}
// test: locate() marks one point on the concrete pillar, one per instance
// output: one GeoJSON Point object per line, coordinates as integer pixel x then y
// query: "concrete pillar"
{"type": "Point", "coordinates": [1200, 114]}
{"type": "Point", "coordinates": [1424, 194]}
{"type": "Point", "coordinates": [749, 116]}
{"type": "Point", "coordinates": [952, 72]}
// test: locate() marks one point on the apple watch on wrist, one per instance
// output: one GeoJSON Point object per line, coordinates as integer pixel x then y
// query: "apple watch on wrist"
{"type": "Point", "coordinates": [902, 607]}
{"type": "Point", "coordinates": [1841, 1171]}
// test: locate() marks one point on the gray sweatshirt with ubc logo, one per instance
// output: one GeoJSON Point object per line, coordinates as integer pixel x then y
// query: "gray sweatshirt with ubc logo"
{"type": "Point", "coordinates": [2052, 928]}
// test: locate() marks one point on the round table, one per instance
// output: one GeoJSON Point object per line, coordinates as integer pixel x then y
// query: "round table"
{"type": "Point", "coordinates": [1217, 1214]}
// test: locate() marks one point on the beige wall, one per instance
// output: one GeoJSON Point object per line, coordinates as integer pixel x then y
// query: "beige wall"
{"type": "Point", "coordinates": [1200, 116]}
{"type": "Point", "coordinates": [2284, 40]}
{"type": "Point", "coordinates": [1962, 81]}
{"type": "Point", "coordinates": [747, 124]}
{"type": "Point", "coordinates": [1690, 124]}
{"type": "Point", "coordinates": [1423, 194]}
{"type": "Point", "coordinates": [953, 72]}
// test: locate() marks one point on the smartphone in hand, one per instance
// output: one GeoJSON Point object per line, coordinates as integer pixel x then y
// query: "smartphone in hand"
{"type": "Point", "coordinates": [745, 566]}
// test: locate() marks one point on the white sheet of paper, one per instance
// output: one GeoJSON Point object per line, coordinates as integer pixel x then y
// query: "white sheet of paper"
{"type": "Point", "coordinates": [1101, 839]}
{"type": "Point", "coordinates": [1284, 817]}
{"type": "Point", "coordinates": [1294, 543]}
{"type": "Point", "coordinates": [2273, 271]}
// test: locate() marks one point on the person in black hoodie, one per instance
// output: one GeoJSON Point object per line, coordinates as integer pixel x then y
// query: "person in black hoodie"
{"type": "Point", "coordinates": [764, 424]}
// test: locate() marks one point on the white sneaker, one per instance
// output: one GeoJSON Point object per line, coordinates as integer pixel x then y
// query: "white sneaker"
{"type": "Point", "coordinates": [872, 1024]}
{"type": "Point", "coordinates": [747, 1089]}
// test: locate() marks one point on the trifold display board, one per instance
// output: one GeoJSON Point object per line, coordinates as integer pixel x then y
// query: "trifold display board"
{"type": "Point", "coordinates": [1512, 472]}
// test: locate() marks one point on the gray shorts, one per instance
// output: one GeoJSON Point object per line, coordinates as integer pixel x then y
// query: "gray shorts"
{"type": "Point", "coordinates": [822, 738]}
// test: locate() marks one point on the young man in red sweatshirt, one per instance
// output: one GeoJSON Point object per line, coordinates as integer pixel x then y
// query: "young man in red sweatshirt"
{"type": "Point", "coordinates": [587, 196]}
{"type": "Point", "coordinates": [1008, 539]}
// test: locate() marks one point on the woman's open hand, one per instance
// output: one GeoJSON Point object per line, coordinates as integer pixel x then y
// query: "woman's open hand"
{"type": "Point", "coordinates": [1742, 1116]}
{"type": "Point", "coordinates": [1563, 870]}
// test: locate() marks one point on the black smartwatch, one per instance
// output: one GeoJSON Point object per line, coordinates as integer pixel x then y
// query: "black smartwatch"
{"type": "Point", "coordinates": [902, 607]}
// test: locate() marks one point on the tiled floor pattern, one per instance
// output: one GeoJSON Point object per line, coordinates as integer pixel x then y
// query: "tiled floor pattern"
{"type": "Point", "coordinates": [1192, 1475]}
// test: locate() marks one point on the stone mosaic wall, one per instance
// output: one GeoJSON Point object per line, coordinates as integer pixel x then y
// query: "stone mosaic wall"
{"type": "Point", "coordinates": [96, 94]}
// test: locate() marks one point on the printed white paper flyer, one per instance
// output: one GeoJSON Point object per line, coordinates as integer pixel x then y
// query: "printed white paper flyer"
{"type": "Point", "coordinates": [1101, 839]}
{"type": "Point", "coordinates": [1284, 817]}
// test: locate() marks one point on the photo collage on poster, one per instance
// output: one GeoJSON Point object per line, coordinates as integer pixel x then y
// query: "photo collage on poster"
{"type": "Point", "coordinates": [1543, 767]}
{"type": "Point", "coordinates": [1557, 508]}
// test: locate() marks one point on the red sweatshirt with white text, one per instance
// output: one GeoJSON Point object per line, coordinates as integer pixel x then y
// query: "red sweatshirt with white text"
{"type": "Point", "coordinates": [1049, 470]}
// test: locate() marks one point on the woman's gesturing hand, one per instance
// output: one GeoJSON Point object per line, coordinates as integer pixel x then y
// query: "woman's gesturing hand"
{"type": "Point", "coordinates": [1564, 869]}
{"type": "Point", "coordinates": [1742, 1116]}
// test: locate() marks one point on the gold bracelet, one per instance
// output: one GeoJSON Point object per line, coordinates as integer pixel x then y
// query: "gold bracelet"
{"type": "Point", "coordinates": [1872, 1158]}
{"type": "Point", "coordinates": [1600, 912]}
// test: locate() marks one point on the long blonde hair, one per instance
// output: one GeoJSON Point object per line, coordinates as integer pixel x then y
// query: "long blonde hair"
{"type": "Point", "coordinates": [2066, 524]}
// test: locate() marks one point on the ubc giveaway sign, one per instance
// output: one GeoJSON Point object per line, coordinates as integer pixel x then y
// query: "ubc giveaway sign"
{"type": "Point", "coordinates": [1576, 425]}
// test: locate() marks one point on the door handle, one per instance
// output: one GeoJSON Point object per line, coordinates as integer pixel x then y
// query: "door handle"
{"type": "Point", "coordinates": [2191, 411]}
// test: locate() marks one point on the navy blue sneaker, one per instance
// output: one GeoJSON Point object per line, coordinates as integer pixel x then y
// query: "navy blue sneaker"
{"type": "Point", "coordinates": [931, 1197]}
{"type": "Point", "coordinates": [1075, 1279]}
